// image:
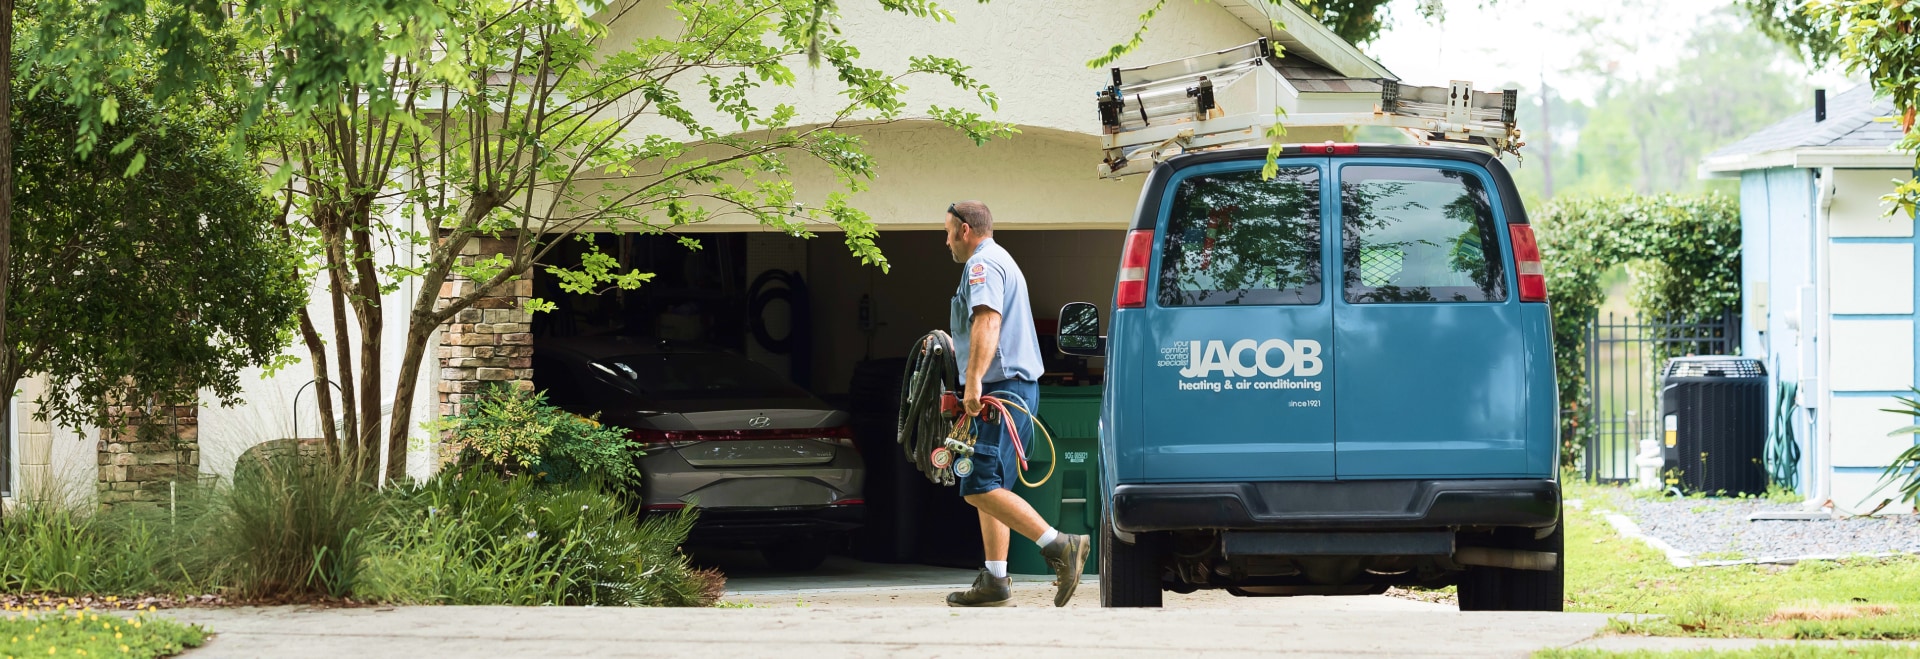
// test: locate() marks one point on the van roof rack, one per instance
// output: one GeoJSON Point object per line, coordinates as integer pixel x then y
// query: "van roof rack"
{"type": "Point", "coordinates": [1231, 97]}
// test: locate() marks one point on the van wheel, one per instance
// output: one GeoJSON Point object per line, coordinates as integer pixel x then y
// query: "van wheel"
{"type": "Point", "coordinates": [1501, 589]}
{"type": "Point", "coordinates": [1540, 590]}
{"type": "Point", "coordinates": [1129, 573]}
{"type": "Point", "coordinates": [1480, 590]}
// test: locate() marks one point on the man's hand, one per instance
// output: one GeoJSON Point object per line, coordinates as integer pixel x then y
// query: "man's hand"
{"type": "Point", "coordinates": [971, 399]}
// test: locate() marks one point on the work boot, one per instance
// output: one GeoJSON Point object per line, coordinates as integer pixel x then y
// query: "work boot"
{"type": "Point", "coordinates": [987, 590]}
{"type": "Point", "coordinates": [1067, 554]}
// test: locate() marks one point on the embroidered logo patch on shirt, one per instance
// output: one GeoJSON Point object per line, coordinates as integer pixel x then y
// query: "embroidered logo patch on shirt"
{"type": "Point", "coordinates": [976, 281]}
{"type": "Point", "coordinates": [979, 269]}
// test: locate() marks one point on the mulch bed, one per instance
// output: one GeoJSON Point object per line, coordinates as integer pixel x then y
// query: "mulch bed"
{"type": "Point", "coordinates": [157, 602]}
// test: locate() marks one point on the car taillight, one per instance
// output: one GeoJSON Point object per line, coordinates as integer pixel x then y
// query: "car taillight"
{"type": "Point", "coordinates": [841, 436]}
{"type": "Point", "coordinates": [849, 502]}
{"type": "Point", "coordinates": [1132, 293]}
{"type": "Point", "coordinates": [1526, 264]}
{"type": "Point", "coordinates": [664, 507]}
{"type": "Point", "coordinates": [655, 440]}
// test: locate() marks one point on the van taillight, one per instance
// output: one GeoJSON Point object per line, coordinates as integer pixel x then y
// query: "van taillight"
{"type": "Point", "coordinates": [1526, 264]}
{"type": "Point", "coordinates": [1132, 293]}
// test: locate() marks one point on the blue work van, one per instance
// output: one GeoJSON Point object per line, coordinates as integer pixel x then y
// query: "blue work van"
{"type": "Point", "coordinates": [1332, 380]}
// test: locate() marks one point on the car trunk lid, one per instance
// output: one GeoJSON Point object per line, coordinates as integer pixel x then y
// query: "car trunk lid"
{"type": "Point", "coordinates": [748, 438]}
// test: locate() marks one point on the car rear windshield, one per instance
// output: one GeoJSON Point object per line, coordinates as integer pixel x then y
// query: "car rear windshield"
{"type": "Point", "coordinates": [1234, 238]}
{"type": "Point", "coordinates": [1418, 234]}
{"type": "Point", "coordinates": [696, 375]}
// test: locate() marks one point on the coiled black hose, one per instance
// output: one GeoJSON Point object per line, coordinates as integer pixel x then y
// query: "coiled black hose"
{"type": "Point", "coordinates": [931, 368]}
{"type": "Point", "coordinates": [798, 342]}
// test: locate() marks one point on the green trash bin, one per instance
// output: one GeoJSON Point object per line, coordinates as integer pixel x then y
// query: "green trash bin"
{"type": "Point", "coordinates": [1070, 500]}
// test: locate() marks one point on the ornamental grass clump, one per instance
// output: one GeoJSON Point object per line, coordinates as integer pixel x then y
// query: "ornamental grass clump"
{"type": "Point", "coordinates": [294, 527]}
{"type": "Point", "coordinates": [472, 537]}
{"type": "Point", "coordinates": [55, 548]}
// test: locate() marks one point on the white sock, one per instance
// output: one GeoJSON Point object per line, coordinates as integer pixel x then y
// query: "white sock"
{"type": "Point", "coordinates": [997, 568]}
{"type": "Point", "coordinates": [1048, 537]}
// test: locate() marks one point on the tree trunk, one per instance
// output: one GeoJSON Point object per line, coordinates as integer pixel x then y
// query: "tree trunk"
{"type": "Point", "coordinates": [6, 219]}
{"type": "Point", "coordinates": [367, 306]}
{"type": "Point", "coordinates": [418, 335]}
{"type": "Point", "coordinates": [323, 387]}
{"type": "Point", "coordinates": [351, 443]}
{"type": "Point", "coordinates": [1546, 137]}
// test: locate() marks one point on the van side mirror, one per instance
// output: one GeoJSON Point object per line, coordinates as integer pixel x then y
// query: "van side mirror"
{"type": "Point", "coordinates": [1080, 330]}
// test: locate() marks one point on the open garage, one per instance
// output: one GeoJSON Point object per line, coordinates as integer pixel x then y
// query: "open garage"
{"type": "Point", "coordinates": [809, 312]}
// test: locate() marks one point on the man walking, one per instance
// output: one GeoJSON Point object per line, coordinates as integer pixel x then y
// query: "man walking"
{"type": "Point", "coordinates": [999, 351]}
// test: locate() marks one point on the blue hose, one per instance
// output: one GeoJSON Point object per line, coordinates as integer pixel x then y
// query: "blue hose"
{"type": "Point", "coordinates": [1783, 454]}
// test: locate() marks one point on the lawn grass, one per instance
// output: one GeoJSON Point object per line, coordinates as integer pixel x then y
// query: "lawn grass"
{"type": "Point", "coordinates": [1865, 598]}
{"type": "Point", "coordinates": [69, 633]}
{"type": "Point", "coordinates": [1782, 651]}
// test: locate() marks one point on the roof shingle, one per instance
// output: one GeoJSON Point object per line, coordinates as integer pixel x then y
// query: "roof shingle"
{"type": "Point", "coordinates": [1850, 123]}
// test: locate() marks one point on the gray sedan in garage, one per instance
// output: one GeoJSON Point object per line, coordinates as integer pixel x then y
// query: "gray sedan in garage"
{"type": "Point", "coordinates": [767, 464]}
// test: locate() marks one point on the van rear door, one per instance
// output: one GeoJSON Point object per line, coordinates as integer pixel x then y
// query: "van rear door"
{"type": "Point", "coordinates": [1429, 363]}
{"type": "Point", "coordinates": [1237, 327]}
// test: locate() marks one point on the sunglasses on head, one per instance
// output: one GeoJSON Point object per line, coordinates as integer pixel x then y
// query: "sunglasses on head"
{"type": "Point", "coordinates": [957, 214]}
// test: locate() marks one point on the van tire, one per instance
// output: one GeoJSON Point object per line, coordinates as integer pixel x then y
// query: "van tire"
{"type": "Point", "coordinates": [1540, 590]}
{"type": "Point", "coordinates": [1501, 589]}
{"type": "Point", "coordinates": [1129, 573]}
{"type": "Point", "coordinates": [1480, 589]}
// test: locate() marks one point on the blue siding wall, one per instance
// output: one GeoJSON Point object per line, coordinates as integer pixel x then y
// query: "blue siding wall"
{"type": "Point", "coordinates": [1777, 245]}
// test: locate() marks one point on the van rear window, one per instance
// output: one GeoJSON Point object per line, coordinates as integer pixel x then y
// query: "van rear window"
{"type": "Point", "coordinates": [1418, 234]}
{"type": "Point", "coordinates": [1235, 239]}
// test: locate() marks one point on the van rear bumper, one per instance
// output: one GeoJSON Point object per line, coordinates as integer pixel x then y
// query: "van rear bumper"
{"type": "Point", "coordinates": [1348, 505]}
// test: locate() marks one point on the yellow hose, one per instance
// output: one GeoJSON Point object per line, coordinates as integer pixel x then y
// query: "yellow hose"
{"type": "Point", "coordinates": [1053, 454]}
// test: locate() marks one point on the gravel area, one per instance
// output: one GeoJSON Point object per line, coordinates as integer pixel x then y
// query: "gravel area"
{"type": "Point", "coordinates": [1718, 529]}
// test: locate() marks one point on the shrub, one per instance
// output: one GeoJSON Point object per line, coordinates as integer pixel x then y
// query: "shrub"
{"type": "Point", "coordinates": [516, 432]}
{"type": "Point", "coordinates": [468, 537]}
{"type": "Point", "coordinates": [1685, 255]}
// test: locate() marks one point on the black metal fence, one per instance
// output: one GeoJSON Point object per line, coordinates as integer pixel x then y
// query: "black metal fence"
{"type": "Point", "coordinates": [1624, 358]}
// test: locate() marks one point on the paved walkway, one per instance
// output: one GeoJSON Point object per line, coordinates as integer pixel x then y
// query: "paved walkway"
{"type": "Point", "coordinates": [902, 631]}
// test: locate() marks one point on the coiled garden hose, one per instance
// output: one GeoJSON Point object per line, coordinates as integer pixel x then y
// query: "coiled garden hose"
{"type": "Point", "coordinates": [923, 427]}
{"type": "Point", "coordinates": [937, 443]}
{"type": "Point", "coordinates": [1783, 454]}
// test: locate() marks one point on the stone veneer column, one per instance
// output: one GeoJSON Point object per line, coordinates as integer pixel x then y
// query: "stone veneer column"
{"type": "Point", "coordinates": [137, 465]}
{"type": "Point", "coordinates": [492, 341]}
{"type": "Point", "coordinates": [35, 469]}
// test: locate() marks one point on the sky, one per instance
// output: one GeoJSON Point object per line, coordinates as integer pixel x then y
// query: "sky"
{"type": "Point", "coordinates": [1522, 40]}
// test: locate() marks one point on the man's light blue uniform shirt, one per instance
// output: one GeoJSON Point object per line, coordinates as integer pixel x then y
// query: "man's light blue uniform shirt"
{"type": "Point", "coordinates": [991, 279]}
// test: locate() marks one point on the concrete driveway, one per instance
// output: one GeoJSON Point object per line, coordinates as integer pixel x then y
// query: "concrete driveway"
{"type": "Point", "coordinates": [1266, 628]}
{"type": "Point", "coordinates": [851, 609]}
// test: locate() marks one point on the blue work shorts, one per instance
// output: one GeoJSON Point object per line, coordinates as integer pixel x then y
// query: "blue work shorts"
{"type": "Point", "coordinates": [995, 462]}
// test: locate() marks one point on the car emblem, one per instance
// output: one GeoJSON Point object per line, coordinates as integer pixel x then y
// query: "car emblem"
{"type": "Point", "coordinates": [760, 422]}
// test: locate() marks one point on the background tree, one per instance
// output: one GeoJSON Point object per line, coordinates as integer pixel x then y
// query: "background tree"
{"type": "Point", "coordinates": [501, 129]}
{"type": "Point", "coordinates": [1786, 22]}
{"type": "Point", "coordinates": [146, 287]}
{"type": "Point", "coordinates": [1649, 134]}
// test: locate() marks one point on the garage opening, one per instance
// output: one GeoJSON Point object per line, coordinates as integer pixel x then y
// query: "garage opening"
{"type": "Point", "coordinates": [809, 314]}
